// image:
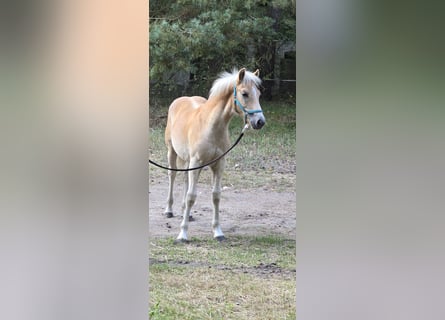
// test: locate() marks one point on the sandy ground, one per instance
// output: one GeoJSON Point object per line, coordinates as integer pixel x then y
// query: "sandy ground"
{"type": "Point", "coordinates": [242, 212]}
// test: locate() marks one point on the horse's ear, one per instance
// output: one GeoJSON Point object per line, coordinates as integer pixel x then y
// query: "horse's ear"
{"type": "Point", "coordinates": [257, 72]}
{"type": "Point", "coordinates": [241, 74]}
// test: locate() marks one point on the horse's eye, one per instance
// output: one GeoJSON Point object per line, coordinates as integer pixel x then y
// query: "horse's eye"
{"type": "Point", "coordinates": [245, 95]}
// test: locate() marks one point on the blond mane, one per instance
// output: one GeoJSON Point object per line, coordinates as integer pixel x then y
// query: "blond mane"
{"type": "Point", "coordinates": [226, 81]}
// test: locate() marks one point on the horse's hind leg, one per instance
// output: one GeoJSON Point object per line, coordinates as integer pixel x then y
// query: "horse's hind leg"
{"type": "Point", "coordinates": [171, 155]}
{"type": "Point", "coordinates": [217, 170]}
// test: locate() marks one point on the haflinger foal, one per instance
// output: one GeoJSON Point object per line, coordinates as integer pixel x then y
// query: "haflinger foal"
{"type": "Point", "coordinates": [197, 132]}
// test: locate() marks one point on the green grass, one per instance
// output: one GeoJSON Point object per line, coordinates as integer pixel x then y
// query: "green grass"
{"type": "Point", "coordinates": [261, 155]}
{"type": "Point", "coordinates": [241, 278]}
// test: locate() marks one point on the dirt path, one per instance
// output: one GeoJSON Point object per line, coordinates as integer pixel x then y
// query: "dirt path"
{"type": "Point", "coordinates": [253, 212]}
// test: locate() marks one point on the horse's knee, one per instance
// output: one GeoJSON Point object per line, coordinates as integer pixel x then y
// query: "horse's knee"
{"type": "Point", "coordinates": [191, 195]}
{"type": "Point", "coordinates": [216, 195]}
{"type": "Point", "coordinates": [191, 198]}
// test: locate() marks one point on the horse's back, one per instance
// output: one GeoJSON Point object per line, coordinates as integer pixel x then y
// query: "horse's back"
{"type": "Point", "coordinates": [186, 104]}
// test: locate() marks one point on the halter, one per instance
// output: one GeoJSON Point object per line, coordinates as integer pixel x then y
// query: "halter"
{"type": "Point", "coordinates": [243, 109]}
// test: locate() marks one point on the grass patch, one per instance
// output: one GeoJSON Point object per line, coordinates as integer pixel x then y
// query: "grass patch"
{"type": "Point", "coordinates": [241, 278]}
{"type": "Point", "coordinates": [234, 252]}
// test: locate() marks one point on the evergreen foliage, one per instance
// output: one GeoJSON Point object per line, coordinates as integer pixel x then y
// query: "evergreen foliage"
{"type": "Point", "coordinates": [201, 38]}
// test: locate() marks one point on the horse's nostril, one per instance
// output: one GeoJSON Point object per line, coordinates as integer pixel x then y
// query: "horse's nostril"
{"type": "Point", "coordinates": [260, 123]}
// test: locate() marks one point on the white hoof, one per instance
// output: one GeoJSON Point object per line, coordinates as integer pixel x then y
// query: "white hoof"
{"type": "Point", "coordinates": [182, 237]}
{"type": "Point", "coordinates": [217, 233]}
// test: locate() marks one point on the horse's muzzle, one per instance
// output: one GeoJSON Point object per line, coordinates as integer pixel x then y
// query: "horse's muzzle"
{"type": "Point", "coordinates": [257, 122]}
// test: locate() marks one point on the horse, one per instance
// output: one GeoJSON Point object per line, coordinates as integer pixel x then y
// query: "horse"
{"type": "Point", "coordinates": [197, 132]}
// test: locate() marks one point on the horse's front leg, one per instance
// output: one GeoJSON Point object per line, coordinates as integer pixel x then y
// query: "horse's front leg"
{"type": "Point", "coordinates": [189, 201]}
{"type": "Point", "coordinates": [217, 170]}
{"type": "Point", "coordinates": [171, 156]}
{"type": "Point", "coordinates": [184, 198]}
{"type": "Point", "coordinates": [184, 165]}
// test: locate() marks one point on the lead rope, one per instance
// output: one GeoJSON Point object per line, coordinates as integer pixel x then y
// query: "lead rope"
{"type": "Point", "coordinates": [205, 165]}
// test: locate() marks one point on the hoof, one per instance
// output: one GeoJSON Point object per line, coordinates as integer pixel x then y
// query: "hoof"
{"type": "Point", "coordinates": [169, 214]}
{"type": "Point", "coordinates": [179, 241]}
{"type": "Point", "coordinates": [220, 238]}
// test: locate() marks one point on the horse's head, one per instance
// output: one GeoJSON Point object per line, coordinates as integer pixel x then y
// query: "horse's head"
{"type": "Point", "coordinates": [246, 98]}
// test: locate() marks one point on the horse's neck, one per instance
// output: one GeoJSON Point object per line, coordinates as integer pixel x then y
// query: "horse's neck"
{"type": "Point", "coordinates": [220, 112]}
